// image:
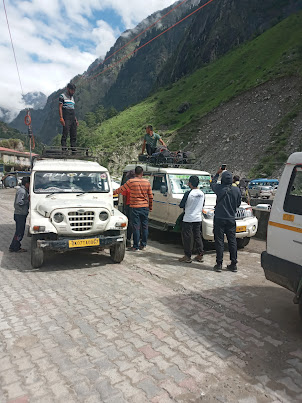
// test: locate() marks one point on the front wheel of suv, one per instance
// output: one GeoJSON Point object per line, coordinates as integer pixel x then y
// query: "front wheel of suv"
{"type": "Point", "coordinates": [37, 254]}
{"type": "Point", "coordinates": [242, 242]}
{"type": "Point", "coordinates": [117, 252]}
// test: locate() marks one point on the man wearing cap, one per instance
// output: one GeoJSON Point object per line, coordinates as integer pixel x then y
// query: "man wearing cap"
{"type": "Point", "coordinates": [228, 200]}
{"type": "Point", "coordinates": [67, 116]}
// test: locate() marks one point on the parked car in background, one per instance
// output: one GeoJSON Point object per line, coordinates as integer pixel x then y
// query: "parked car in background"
{"type": "Point", "coordinates": [262, 187]}
{"type": "Point", "coordinates": [115, 185]}
{"type": "Point", "coordinates": [262, 192]}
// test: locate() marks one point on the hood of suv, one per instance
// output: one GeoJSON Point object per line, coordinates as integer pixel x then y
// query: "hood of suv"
{"type": "Point", "coordinates": [46, 206]}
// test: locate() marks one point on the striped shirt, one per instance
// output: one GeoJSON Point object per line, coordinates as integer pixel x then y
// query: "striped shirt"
{"type": "Point", "coordinates": [67, 101]}
{"type": "Point", "coordinates": [140, 192]}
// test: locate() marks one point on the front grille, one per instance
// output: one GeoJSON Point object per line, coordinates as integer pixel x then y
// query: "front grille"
{"type": "Point", "coordinates": [81, 221]}
{"type": "Point", "coordinates": [240, 213]}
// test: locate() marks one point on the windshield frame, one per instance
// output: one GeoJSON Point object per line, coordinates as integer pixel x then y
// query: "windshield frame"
{"type": "Point", "coordinates": [72, 174]}
{"type": "Point", "coordinates": [202, 178]}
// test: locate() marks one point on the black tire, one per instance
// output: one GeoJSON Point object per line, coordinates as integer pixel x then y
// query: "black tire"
{"type": "Point", "coordinates": [37, 254]}
{"type": "Point", "coordinates": [117, 252]}
{"type": "Point", "coordinates": [242, 242]}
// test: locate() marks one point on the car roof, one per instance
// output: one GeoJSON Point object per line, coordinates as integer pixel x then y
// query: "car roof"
{"type": "Point", "coordinates": [295, 158]}
{"type": "Point", "coordinates": [56, 165]}
{"type": "Point", "coordinates": [175, 171]}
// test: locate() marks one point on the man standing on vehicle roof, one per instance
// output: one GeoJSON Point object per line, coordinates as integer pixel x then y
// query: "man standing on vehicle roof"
{"type": "Point", "coordinates": [192, 203]}
{"type": "Point", "coordinates": [141, 203]}
{"type": "Point", "coordinates": [67, 116]}
{"type": "Point", "coordinates": [150, 141]}
{"type": "Point", "coordinates": [228, 200]}
{"type": "Point", "coordinates": [21, 211]}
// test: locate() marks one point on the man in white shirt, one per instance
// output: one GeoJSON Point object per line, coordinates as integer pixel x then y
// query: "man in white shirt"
{"type": "Point", "coordinates": [192, 203]}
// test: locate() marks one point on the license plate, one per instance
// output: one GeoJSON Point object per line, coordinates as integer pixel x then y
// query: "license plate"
{"type": "Point", "coordinates": [82, 243]}
{"type": "Point", "coordinates": [241, 229]}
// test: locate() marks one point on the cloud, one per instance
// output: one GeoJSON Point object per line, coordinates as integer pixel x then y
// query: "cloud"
{"type": "Point", "coordinates": [55, 40]}
{"type": "Point", "coordinates": [104, 36]}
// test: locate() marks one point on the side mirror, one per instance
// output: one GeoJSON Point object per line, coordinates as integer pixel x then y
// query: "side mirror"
{"type": "Point", "coordinates": [163, 189]}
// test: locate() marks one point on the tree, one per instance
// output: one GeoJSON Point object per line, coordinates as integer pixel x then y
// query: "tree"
{"type": "Point", "coordinates": [111, 112]}
{"type": "Point", "coordinates": [90, 119]}
{"type": "Point", "coordinates": [100, 114]}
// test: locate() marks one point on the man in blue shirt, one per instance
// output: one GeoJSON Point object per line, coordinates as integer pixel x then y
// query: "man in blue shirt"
{"type": "Point", "coordinates": [67, 116]}
{"type": "Point", "coordinates": [150, 141]}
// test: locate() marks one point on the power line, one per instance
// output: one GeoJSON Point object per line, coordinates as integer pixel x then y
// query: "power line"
{"type": "Point", "coordinates": [11, 40]}
{"type": "Point", "coordinates": [145, 30]}
{"type": "Point", "coordinates": [151, 40]}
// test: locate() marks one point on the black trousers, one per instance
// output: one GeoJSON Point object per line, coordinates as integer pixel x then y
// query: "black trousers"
{"type": "Point", "coordinates": [188, 230]}
{"type": "Point", "coordinates": [128, 214]}
{"type": "Point", "coordinates": [150, 150]}
{"type": "Point", "coordinates": [20, 229]}
{"type": "Point", "coordinates": [70, 129]}
{"type": "Point", "coordinates": [227, 227]}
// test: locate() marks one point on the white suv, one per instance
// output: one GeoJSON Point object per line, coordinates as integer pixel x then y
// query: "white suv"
{"type": "Point", "coordinates": [168, 187]}
{"type": "Point", "coordinates": [71, 207]}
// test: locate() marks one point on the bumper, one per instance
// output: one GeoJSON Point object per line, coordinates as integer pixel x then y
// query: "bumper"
{"type": "Point", "coordinates": [250, 223]}
{"type": "Point", "coordinates": [282, 272]}
{"type": "Point", "coordinates": [62, 244]}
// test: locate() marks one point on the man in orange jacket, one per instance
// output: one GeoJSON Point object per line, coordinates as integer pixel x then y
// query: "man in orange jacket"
{"type": "Point", "coordinates": [141, 203]}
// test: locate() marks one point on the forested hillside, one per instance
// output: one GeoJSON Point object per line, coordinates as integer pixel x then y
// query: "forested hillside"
{"type": "Point", "coordinates": [198, 41]}
{"type": "Point", "coordinates": [269, 65]}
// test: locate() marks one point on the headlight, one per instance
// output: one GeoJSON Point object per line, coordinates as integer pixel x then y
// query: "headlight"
{"type": "Point", "coordinates": [58, 217]}
{"type": "Point", "coordinates": [103, 216]}
{"type": "Point", "coordinates": [208, 213]}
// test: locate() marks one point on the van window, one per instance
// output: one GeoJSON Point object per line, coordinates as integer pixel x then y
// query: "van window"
{"type": "Point", "coordinates": [293, 200]}
{"type": "Point", "coordinates": [158, 181]}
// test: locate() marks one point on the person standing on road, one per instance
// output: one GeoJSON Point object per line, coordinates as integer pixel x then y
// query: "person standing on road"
{"type": "Point", "coordinates": [128, 209]}
{"type": "Point", "coordinates": [21, 205]}
{"type": "Point", "coordinates": [192, 203]}
{"type": "Point", "coordinates": [67, 116]}
{"type": "Point", "coordinates": [228, 200]}
{"type": "Point", "coordinates": [150, 141]}
{"type": "Point", "coordinates": [141, 203]}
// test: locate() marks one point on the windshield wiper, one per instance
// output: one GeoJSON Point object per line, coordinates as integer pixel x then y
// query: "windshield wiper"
{"type": "Point", "coordinates": [81, 194]}
{"type": "Point", "coordinates": [50, 194]}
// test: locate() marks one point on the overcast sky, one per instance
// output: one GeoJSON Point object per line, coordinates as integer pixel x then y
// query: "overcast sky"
{"type": "Point", "coordinates": [55, 40]}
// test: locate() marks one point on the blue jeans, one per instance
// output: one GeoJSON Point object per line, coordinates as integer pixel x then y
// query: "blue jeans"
{"type": "Point", "coordinates": [140, 222]}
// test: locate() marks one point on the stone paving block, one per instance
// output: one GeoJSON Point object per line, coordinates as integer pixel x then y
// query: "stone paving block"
{"type": "Point", "coordinates": [14, 390]}
{"type": "Point", "coordinates": [149, 352]}
{"type": "Point", "coordinates": [149, 386]}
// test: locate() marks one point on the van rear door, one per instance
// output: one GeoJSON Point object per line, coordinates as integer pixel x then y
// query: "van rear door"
{"type": "Point", "coordinates": [285, 225]}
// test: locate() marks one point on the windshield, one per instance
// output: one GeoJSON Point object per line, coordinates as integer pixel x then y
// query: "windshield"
{"type": "Point", "coordinates": [71, 182]}
{"type": "Point", "coordinates": [179, 183]}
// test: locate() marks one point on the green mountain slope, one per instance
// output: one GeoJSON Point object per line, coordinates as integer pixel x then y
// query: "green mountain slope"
{"type": "Point", "coordinates": [276, 53]}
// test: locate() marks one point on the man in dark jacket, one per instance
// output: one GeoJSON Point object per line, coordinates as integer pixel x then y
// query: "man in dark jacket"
{"type": "Point", "coordinates": [228, 200]}
{"type": "Point", "coordinates": [21, 211]}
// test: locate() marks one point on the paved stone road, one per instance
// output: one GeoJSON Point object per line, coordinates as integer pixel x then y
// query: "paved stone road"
{"type": "Point", "coordinates": [82, 329]}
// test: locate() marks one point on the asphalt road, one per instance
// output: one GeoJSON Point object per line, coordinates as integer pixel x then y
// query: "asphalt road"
{"type": "Point", "coordinates": [82, 329]}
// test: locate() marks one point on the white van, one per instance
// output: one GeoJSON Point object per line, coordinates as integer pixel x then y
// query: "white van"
{"type": "Point", "coordinates": [168, 187]}
{"type": "Point", "coordinates": [282, 261]}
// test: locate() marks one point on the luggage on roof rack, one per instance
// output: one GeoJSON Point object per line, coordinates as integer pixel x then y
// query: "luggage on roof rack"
{"type": "Point", "coordinates": [173, 160]}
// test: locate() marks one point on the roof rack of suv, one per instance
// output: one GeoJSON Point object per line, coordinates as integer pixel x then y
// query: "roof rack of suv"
{"type": "Point", "coordinates": [54, 152]}
{"type": "Point", "coordinates": [67, 153]}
